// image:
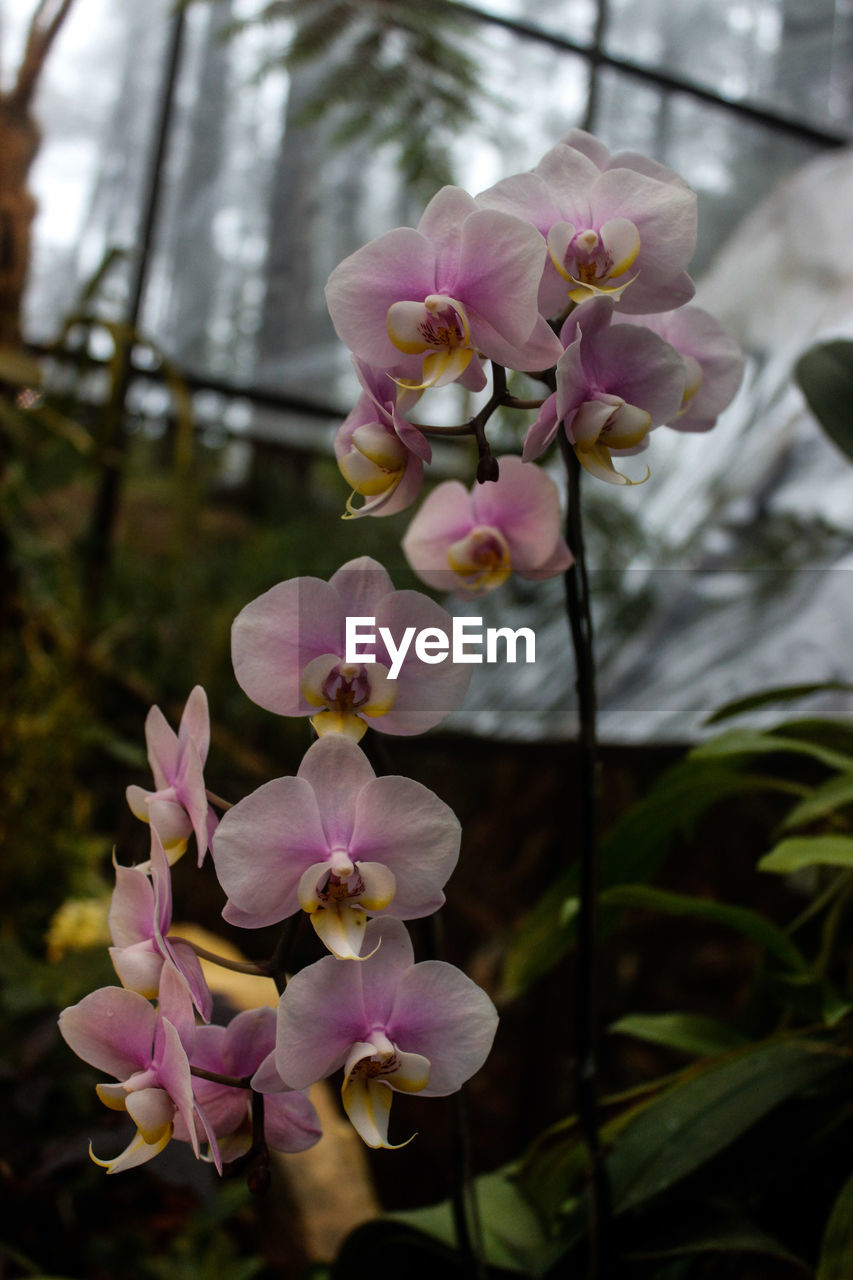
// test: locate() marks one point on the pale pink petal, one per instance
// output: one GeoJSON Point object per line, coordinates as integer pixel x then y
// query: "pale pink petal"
{"type": "Point", "coordinates": [524, 503]}
{"type": "Point", "coordinates": [444, 516]}
{"type": "Point", "coordinates": [440, 1013]}
{"type": "Point", "coordinates": [588, 145]}
{"type": "Point", "coordinates": [557, 562]}
{"type": "Point", "coordinates": [639, 366]}
{"type": "Point", "coordinates": [337, 770]}
{"type": "Point", "coordinates": [111, 1029]}
{"type": "Point", "coordinates": [162, 746]}
{"type": "Point", "coordinates": [405, 826]}
{"type": "Point", "coordinates": [193, 796]}
{"type": "Point", "coordinates": [131, 913]}
{"type": "Point", "coordinates": [275, 637]}
{"type": "Point", "coordinates": [249, 1039]}
{"type": "Point", "coordinates": [138, 967]}
{"type": "Point", "coordinates": [441, 224]}
{"type": "Point", "coordinates": [389, 948]}
{"type": "Point", "coordinates": [693, 332]}
{"type": "Point", "coordinates": [525, 195]}
{"type": "Point", "coordinates": [651, 293]}
{"type": "Point", "coordinates": [541, 433]}
{"type": "Point", "coordinates": [195, 722]}
{"type": "Point", "coordinates": [291, 1122]}
{"type": "Point", "coordinates": [174, 1076]}
{"type": "Point", "coordinates": [174, 1006]}
{"type": "Point", "coordinates": [188, 965]}
{"type": "Point", "coordinates": [501, 263]}
{"type": "Point", "coordinates": [360, 585]}
{"type": "Point", "coordinates": [426, 693]}
{"type": "Point", "coordinates": [663, 213]}
{"type": "Point", "coordinates": [571, 177]}
{"type": "Point", "coordinates": [398, 265]}
{"type": "Point", "coordinates": [263, 845]}
{"type": "Point", "coordinates": [320, 1014]}
{"type": "Point", "coordinates": [541, 349]}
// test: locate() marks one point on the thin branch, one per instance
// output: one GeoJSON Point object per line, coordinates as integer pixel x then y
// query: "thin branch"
{"type": "Point", "coordinates": [238, 966]}
{"type": "Point", "coordinates": [217, 1077]}
{"type": "Point", "coordinates": [218, 801]}
{"type": "Point", "coordinates": [40, 37]}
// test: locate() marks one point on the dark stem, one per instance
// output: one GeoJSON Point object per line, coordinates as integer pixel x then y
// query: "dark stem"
{"type": "Point", "coordinates": [217, 1077]}
{"type": "Point", "coordinates": [277, 965]}
{"type": "Point", "coordinates": [239, 966]}
{"type": "Point", "coordinates": [463, 1197]}
{"type": "Point", "coordinates": [487, 466]}
{"type": "Point", "coordinates": [586, 1065]}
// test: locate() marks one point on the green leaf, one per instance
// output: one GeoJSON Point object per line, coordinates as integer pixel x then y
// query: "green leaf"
{"type": "Point", "coordinates": [751, 742]}
{"type": "Point", "coordinates": [710, 1227]}
{"type": "Point", "coordinates": [785, 693]}
{"type": "Point", "coordinates": [750, 923]}
{"type": "Point", "coordinates": [691, 1033]}
{"type": "Point", "coordinates": [633, 850]}
{"type": "Point", "coordinates": [836, 1253]}
{"type": "Point", "coordinates": [825, 375]}
{"type": "Point", "coordinates": [808, 851]}
{"type": "Point", "coordinates": [513, 1236]}
{"type": "Point", "coordinates": [698, 1119]}
{"type": "Point", "coordinates": [824, 800]}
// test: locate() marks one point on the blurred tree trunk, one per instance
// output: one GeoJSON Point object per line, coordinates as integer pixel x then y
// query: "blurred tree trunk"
{"type": "Point", "coordinates": [19, 142]}
{"type": "Point", "coordinates": [199, 199]}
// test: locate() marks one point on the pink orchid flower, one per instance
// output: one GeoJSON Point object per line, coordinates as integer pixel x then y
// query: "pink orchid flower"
{"type": "Point", "coordinates": [380, 453]}
{"type": "Point", "coordinates": [614, 383]}
{"type": "Point", "coordinates": [244, 1049]}
{"type": "Point", "coordinates": [390, 1023]}
{"type": "Point", "coordinates": [429, 302]}
{"type": "Point", "coordinates": [139, 918]}
{"type": "Point", "coordinates": [620, 227]}
{"type": "Point", "coordinates": [470, 542]}
{"type": "Point", "coordinates": [713, 360]}
{"type": "Point", "coordinates": [338, 842]}
{"type": "Point", "coordinates": [179, 806]}
{"type": "Point", "coordinates": [147, 1050]}
{"type": "Point", "coordinates": [289, 654]}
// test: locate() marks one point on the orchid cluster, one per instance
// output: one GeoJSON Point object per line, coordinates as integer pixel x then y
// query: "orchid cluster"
{"type": "Point", "coordinates": [575, 275]}
{"type": "Point", "coordinates": [355, 853]}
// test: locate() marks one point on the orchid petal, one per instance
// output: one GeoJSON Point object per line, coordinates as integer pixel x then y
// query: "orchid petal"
{"type": "Point", "coordinates": [111, 1029]}
{"type": "Point", "coordinates": [264, 844]}
{"type": "Point", "coordinates": [275, 637]}
{"type": "Point", "coordinates": [367, 1102]}
{"type": "Point", "coordinates": [340, 927]}
{"type": "Point", "coordinates": [444, 1016]}
{"type": "Point", "coordinates": [151, 1110]}
{"type": "Point", "coordinates": [138, 1152]}
{"type": "Point", "coordinates": [380, 886]}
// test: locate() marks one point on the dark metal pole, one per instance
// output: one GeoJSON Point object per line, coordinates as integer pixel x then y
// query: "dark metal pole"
{"type": "Point", "coordinates": [105, 509]}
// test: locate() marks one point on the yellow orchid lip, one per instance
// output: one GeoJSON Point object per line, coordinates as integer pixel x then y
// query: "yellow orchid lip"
{"type": "Point", "coordinates": [588, 259]}
{"type": "Point", "coordinates": [373, 1070]}
{"type": "Point", "coordinates": [437, 329]}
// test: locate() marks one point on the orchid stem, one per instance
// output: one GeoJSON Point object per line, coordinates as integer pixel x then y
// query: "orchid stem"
{"type": "Point", "coordinates": [277, 965]}
{"type": "Point", "coordinates": [218, 801]}
{"type": "Point", "coordinates": [463, 1196]}
{"type": "Point", "coordinates": [238, 966]}
{"type": "Point", "coordinates": [217, 1077]}
{"type": "Point", "coordinates": [586, 1064]}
